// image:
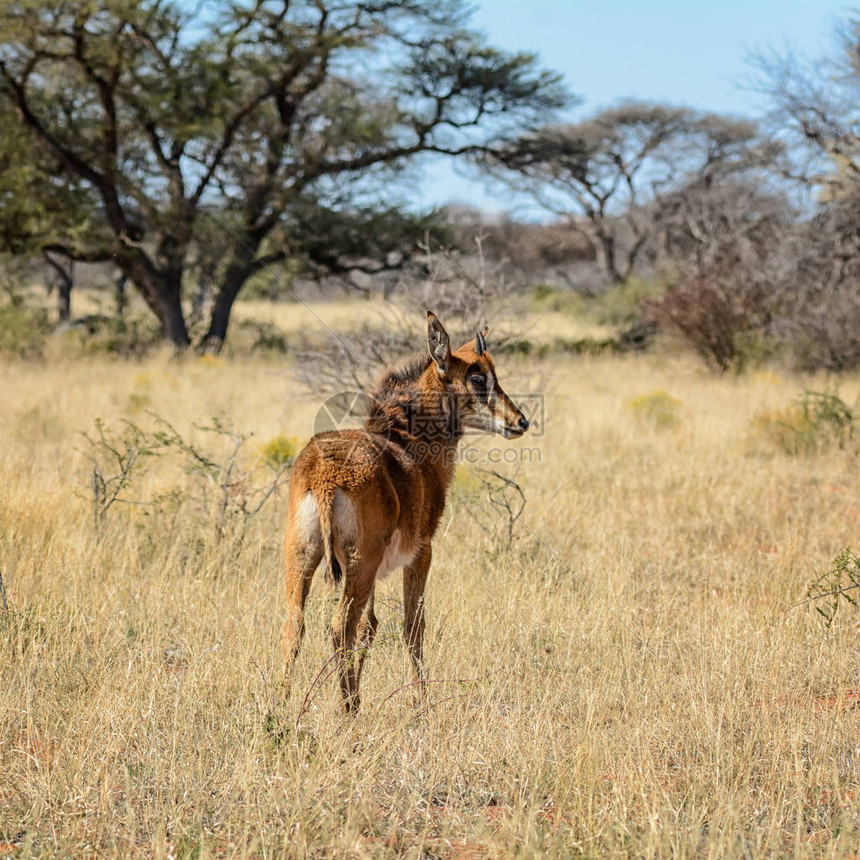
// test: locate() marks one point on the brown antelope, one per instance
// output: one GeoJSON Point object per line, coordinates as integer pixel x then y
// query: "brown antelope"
{"type": "Point", "coordinates": [369, 500]}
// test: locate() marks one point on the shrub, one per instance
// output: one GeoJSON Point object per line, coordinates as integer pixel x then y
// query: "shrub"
{"type": "Point", "coordinates": [815, 421]}
{"type": "Point", "coordinates": [494, 501]}
{"type": "Point", "coordinates": [131, 336]}
{"type": "Point", "coordinates": [708, 318]}
{"type": "Point", "coordinates": [260, 337]}
{"type": "Point", "coordinates": [223, 489]}
{"type": "Point", "coordinates": [834, 585]}
{"type": "Point", "coordinates": [466, 484]}
{"type": "Point", "coordinates": [786, 429]}
{"type": "Point", "coordinates": [545, 293]}
{"type": "Point", "coordinates": [281, 450]}
{"type": "Point", "coordinates": [23, 330]}
{"type": "Point", "coordinates": [544, 297]}
{"type": "Point", "coordinates": [624, 304]}
{"type": "Point", "coordinates": [722, 309]}
{"type": "Point", "coordinates": [658, 408]}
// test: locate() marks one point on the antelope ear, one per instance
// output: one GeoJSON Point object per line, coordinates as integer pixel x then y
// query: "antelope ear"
{"type": "Point", "coordinates": [437, 343]}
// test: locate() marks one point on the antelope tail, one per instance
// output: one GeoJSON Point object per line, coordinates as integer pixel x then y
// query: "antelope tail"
{"type": "Point", "coordinates": [325, 506]}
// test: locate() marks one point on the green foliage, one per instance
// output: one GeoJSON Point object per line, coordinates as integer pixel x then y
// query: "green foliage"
{"type": "Point", "coordinates": [827, 412]}
{"type": "Point", "coordinates": [545, 293]}
{"type": "Point", "coordinates": [36, 210]}
{"type": "Point", "coordinates": [625, 342]}
{"type": "Point", "coordinates": [223, 491]}
{"type": "Point", "coordinates": [756, 349]}
{"type": "Point", "coordinates": [130, 336]}
{"type": "Point", "coordinates": [815, 421]}
{"type": "Point", "coordinates": [834, 585]}
{"type": "Point", "coordinates": [466, 484]}
{"type": "Point", "coordinates": [23, 330]}
{"type": "Point", "coordinates": [281, 450]}
{"type": "Point", "coordinates": [545, 296]}
{"type": "Point", "coordinates": [364, 238]}
{"type": "Point", "coordinates": [259, 337]}
{"type": "Point", "coordinates": [118, 457]}
{"type": "Point", "coordinates": [657, 408]}
{"type": "Point", "coordinates": [494, 501]}
{"type": "Point", "coordinates": [273, 282]}
{"type": "Point", "coordinates": [623, 304]}
{"type": "Point", "coordinates": [152, 133]}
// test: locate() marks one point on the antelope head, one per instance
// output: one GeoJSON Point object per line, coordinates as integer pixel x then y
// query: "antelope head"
{"type": "Point", "coordinates": [469, 377]}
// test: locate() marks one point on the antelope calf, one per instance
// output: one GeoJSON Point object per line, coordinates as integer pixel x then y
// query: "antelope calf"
{"type": "Point", "coordinates": [369, 500]}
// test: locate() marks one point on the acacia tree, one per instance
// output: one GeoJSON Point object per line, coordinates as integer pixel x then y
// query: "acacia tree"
{"type": "Point", "coordinates": [608, 174]}
{"type": "Point", "coordinates": [244, 110]}
{"type": "Point", "coordinates": [698, 220]}
{"type": "Point", "coordinates": [815, 107]}
{"type": "Point", "coordinates": [42, 213]}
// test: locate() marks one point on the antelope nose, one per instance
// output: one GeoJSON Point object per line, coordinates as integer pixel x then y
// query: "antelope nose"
{"type": "Point", "coordinates": [523, 423]}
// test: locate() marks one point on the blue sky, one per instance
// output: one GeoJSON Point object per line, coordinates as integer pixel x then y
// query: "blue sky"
{"type": "Point", "coordinates": [664, 50]}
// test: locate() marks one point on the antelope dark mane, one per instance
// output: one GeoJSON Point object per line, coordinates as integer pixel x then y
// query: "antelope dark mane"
{"type": "Point", "coordinates": [409, 371]}
{"type": "Point", "coordinates": [393, 395]}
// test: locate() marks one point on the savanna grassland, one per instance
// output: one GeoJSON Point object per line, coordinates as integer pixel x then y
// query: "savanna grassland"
{"type": "Point", "coordinates": [627, 675]}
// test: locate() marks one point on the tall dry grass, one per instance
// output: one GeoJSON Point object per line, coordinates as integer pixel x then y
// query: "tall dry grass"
{"type": "Point", "coordinates": [629, 677]}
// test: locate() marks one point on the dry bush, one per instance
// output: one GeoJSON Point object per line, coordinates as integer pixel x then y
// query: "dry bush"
{"type": "Point", "coordinates": [719, 308]}
{"type": "Point", "coordinates": [773, 288]}
{"type": "Point", "coordinates": [353, 359]}
{"type": "Point", "coordinates": [460, 289]}
{"type": "Point", "coordinates": [529, 253]}
{"type": "Point", "coordinates": [821, 323]}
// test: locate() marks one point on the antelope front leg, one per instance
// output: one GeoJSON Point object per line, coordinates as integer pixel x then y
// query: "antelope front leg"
{"type": "Point", "coordinates": [414, 580]}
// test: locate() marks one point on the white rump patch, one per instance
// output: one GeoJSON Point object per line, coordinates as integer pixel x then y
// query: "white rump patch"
{"type": "Point", "coordinates": [343, 519]}
{"type": "Point", "coordinates": [307, 521]}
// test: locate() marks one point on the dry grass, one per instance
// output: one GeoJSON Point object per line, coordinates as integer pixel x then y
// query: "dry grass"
{"type": "Point", "coordinates": [638, 683]}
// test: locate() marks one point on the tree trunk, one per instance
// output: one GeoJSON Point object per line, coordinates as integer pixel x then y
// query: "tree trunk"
{"type": "Point", "coordinates": [120, 295]}
{"type": "Point", "coordinates": [173, 320]}
{"type": "Point", "coordinates": [65, 282]}
{"type": "Point", "coordinates": [240, 269]}
{"type": "Point", "coordinates": [610, 266]}
{"type": "Point", "coordinates": [633, 257]}
{"type": "Point", "coordinates": [162, 292]}
{"type": "Point", "coordinates": [64, 296]}
{"type": "Point", "coordinates": [220, 320]}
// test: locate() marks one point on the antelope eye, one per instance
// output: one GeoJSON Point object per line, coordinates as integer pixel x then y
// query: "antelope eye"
{"type": "Point", "coordinates": [478, 381]}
